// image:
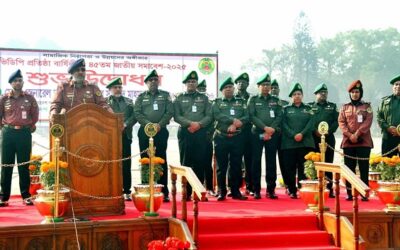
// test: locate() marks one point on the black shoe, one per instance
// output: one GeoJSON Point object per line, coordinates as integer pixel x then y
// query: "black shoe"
{"type": "Point", "coordinates": [189, 198]}
{"type": "Point", "coordinates": [293, 196]}
{"type": "Point", "coordinates": [272, 195]}
{"type": "Point", "coordinates": [27, 201]}
{"type": "Point", "coordinates": [257, 195]}
{"type": "Point", "coordinates": [166, 199]}
{"type": "Point", "coordinates": [221, 197]}
{"type": "Point", "coordinates": [127, 197]}
{"type": "Point", "coordinates": [229, 194]}
{"type": "Point", "coordinates": [331, 194]}
{"type": "Point", "coordinates": [3, 203]}
{"type": "Point", "coordinates": [349, 198]}
{"type": "Point", "coordinates": [364, 198]}
{"type": "Point", "coordinates": [212, 193]}
{"type": "Point", "coordinates": [239, 197]}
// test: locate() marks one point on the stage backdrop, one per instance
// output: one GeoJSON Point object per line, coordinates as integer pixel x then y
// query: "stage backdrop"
{"type": "Point", "coordinates": [44, 69]}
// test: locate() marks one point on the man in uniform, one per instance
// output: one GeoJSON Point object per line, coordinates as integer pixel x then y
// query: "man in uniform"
{"type": "Point", "coordinates": [76, 91]}
{"type": "Point", "coordinates": [19, 113]}
{"type": "Point", "coordinates": [275, 92]}
{"type": "Point", "coordinates": [192, 113]}
{"type": "Point", "coordinates": [328, 112]}
{"type": "Point", "coordinates": [265, 113]}
{"type": "Point", "coordinates": [231, 115]}
{"type": "Point", "coordinates": [242, 82]}
{"type": "Point", "coordinates": [124, 105]}
{"type": "Point", "coordinates": [389, 119]}
{"type": "Point", "coordinates": [208, 157]}
{"type": "Point", "coordinates": [155, 106]}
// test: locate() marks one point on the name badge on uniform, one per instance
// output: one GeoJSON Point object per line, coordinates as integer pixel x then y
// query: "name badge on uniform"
{"type": "Point", "coordinates": [232, 112]}
{"type": "Point", "coordinates": [194, 108]}
{"type": "Point", "coordinates": [24, 115]}
{"type": "Point", "coordinates": [155, 106]}
{"type": "Point", "coordinates": [272, 114]}
{"type": "Point", "coordinates": [359, 118]}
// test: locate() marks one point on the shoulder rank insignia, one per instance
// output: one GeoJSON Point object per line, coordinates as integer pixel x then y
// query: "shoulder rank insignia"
{"type": "Point", "coordinates": [98, 93]}
{"type": "Point", "coordinates": [369, 109]}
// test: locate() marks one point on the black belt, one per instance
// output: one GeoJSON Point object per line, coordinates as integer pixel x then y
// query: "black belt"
{"type": "Point", "coordinates": [227, 134]}
{"type": "Point", "coordinates": [16, 127]}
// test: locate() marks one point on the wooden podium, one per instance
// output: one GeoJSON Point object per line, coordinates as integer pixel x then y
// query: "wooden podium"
{"type": "Point", "coordinates": [93, 132]}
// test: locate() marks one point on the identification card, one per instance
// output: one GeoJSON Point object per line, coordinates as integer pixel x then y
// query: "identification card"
{"type": "Point", "coordinates": [24, 115]}
{"type": "Point", "coordinates": [194, 108]}
{"type": "Point", "coordinates": [359, 118]}
{"type": "Point", "coordinates": [272, 114]}
{"type": "Point", "coordinates": [155, 106]}
{"type": "Point", "coordinates": [232, 112]}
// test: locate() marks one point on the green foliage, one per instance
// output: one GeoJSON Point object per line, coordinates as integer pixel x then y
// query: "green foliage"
{"type": "Point", "coordinates": [309, 170]}
{"type": "Point", "coordinates": [145, 173]}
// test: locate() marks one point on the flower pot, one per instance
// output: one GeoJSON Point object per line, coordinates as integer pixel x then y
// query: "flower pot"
{"type": "Point", "coordinates": [309, 194]}
{"type": "Point", "coordinates": [141, 197]}
{"type": "Point", "coordinates": [35, 184]}
{"type": "Point", "coordinates": [373, 178]}
{"type": "Point", "coordinates": [389, 194]}
{"type": "Point", "coordinates": [44, 203]}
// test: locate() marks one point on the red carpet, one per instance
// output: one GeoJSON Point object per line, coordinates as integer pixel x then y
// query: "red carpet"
{"type": "Point", "coordinates": [232, 224]}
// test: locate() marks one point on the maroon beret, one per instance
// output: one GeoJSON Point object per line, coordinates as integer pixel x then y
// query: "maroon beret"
{"type": "Point", "coordinates": [354, 85]}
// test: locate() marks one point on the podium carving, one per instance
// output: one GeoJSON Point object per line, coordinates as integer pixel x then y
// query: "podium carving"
{"type": "Point", "coordinates": [92, 132]}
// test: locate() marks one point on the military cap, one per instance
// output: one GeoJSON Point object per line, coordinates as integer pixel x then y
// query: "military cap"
{"type": "Point", "coordinates": [191, 76]}
{"type": "Point", "coordinates": [226, 82]}
{"type": "Point", "coordinates": [295, 87]}
{"type": "Point", "coordinates": [244, 76]}
{"type": "Point", "coordinates": [14, 75]}
{"type": "Point", "coordinates": [274, 83]}
{"type": "Point", "coordinates": [153, 73]}
{"type": "Point", "coordinates": [396, 79]}
{"type": "Point", "coordinates": [78, 63]}
{"type": "Point", "coordinates": [320, 87]}
{"type": "Point", "coordinates": [355, 85]}
{"type": "Point", "coordinates": [264, 78]}
{"type": "Point", "coordinates": [202, 84]}
{"type": "Point", "coordinates": [115, 82]}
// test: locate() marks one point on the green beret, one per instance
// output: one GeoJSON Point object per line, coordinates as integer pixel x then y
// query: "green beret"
{"type": "Point", "coordinates": [226, 82]}
{"type": "Point", "coordinates": [320, 87]}
{"type": "Point", "coordinates": [244, 76]}
{"type": "Point", "coordinates": [77, 64]}
{"type": "Point", "coordinates": [295, 87]}
{"type": "Point", "coordinates": [14, 75]}
{"type": "Point", "coordinates": [396, 79]}
{"type": "Point", "coordinates": [191, 76]}
{"type": "Point", "coordinates": [153, 73]}
{"type": "Point", "coordinates": [264, 78]}
{"type": "Point", "coordinates": [275, 83]}
{"type": "Point", "coordinates": [202, 84]}
{"type": "Point", "coordinates": [117, 81]}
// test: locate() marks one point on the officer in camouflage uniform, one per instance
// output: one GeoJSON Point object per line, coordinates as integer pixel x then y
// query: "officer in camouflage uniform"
{"type": "Point", "coordinates": [19, 113]}
{"type": "Point", "coordinates": [192, 113]}
{"type": "Point", "coordinates": [325, 111]}
{"type": "Point", "coordinates": [242, 82]}
{"type": "Point", "coordinates": [155, 106]}
{"type": "Point", "coordinates": [231, 115]}
{"type": "Point", "coordinates": [124, 105]}
{"type": "Point", "coordinates": [297, 139]}
{"type": "Point", "coordinates": [389, 118]}
{"type": "Point", "coordinates": [76, 91]}
{"type": "Point", "coordinates": [265, 113]}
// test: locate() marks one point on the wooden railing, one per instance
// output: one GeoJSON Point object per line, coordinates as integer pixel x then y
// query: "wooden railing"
{"type": "Point", "coordinates": [358, 187]}
{"type": "Point", "coordinates": [199, 193]}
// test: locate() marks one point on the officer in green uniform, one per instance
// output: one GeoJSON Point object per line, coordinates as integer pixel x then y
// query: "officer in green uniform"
{"type": "Point", "coordinates": [265, 113]}
{"type": "Point", "coordinates": [155, 106]}
{"type": "Point", "coordinates": [19, 113]}
{"type": "Point", "coordinates": [297, 140]}
{"type": "Point", "coordinates": [208, 157]}
{"type": "Point", "coordinates": [242, 82]}
{"type": "Point", "coordinates": [389, 118]}
{"type": "Point", "coordinates": [275, 92]}
{"type": "Point", "coordinates": [327, 112]}
{"type": "Point", "coordinates": [124, 105]}
{"type": "Point", "coordinates": [192, 113]}
{"type": "Point", "coordinates": [231, 115]}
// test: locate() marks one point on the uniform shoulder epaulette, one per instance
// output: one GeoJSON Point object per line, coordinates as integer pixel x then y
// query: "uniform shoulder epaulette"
{"type": "Point", "coordinates": [128, 100]}
{"type": "Point", "coordinates": [386, 97]}
{"type": "Point", "coordinates": [163, 92]}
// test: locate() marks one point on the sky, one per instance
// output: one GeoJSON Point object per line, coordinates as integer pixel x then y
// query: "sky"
{"type": "Point", "coordinates": [238, 30]}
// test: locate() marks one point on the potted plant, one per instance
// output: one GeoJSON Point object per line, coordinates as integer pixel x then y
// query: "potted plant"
{"type": "Point", "coordinates": [389, 183]}
{"type": "Point", "coordinates": [141, 196]}
{"type": "Point", "coordinates": [171, 243]}
{"type": "Point", "coordinates": [34, 173]}
{"type": "Point", "coordinates": [374, 173]}
{"type": "Point", "coordinates": [309, 192]}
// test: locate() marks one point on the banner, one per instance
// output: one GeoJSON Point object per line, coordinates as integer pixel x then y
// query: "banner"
{"type": "Point", "coordinates": [43, 70]}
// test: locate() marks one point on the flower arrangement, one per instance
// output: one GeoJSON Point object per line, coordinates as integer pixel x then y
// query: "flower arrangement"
{"type": "Point", "coordinates": [145, 169]}
{"type": "Point", "coordinates": [34, 167]}
{"type": "Point", "coordinates": [388, 166]}
{"type": "Point", "coordinates": [309, 167]}
{"type": "Point", "coordinates": [171, 243]}
{"type": "Point", "coordinates": [48, 174]}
